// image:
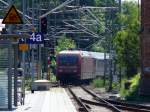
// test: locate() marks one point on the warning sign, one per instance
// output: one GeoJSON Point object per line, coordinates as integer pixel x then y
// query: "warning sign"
{"type": "Point", "coordinates": [12, 17]}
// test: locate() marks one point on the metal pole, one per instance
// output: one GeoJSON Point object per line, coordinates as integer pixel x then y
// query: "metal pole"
{"type": "Point", "coordinates": [10, 70]}
{"type": "Point", "coordinates": [120, 76]}
{"type": "Point", "coordinates": [23, 57]}
{"type": "Point", "coordinates": [39, 62]}
{"type": "Point", "coordinates": [15, 73]}
{"type": "Point", "coordinates": [105, 51]}
{"type": "Point", "coordinates": [105, 67]}
{"type": "Point", "coordinates": [9, 77]}
{"type": "Point", "coordinates": [110, 68]}
{"type": "Point", "coordinates": [78, 4]}
{"type": "Point", "coordinates": [32, 52]}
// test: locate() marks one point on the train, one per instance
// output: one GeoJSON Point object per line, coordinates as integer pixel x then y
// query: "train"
{"type": "Point", "coordinates": [79, 65]}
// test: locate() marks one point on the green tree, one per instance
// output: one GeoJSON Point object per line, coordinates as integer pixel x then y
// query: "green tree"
{"type": "Point", "coordinates": [98, 47]}
{"type": "Point", "coordinates": [106, 26]}
{"type": "Point", "coordinates": [126, 41]}
{"type": "Point", "coordinates": [103, 3]}
{"type": "Point", "coordinates": [65, 43]}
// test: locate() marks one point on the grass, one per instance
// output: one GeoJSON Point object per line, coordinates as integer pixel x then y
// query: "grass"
{"type": "Point", "coordinates": [98, 83]}
{"type": "Point", "coordinates": [115, 86]}
{"type": "Point", "coordinates": [129, 93]}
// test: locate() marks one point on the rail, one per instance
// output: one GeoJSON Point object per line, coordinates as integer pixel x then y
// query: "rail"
{"type": "Point", "coordinates": [116, 104]}
{"type": "Point", "coordinates": [78, 100]}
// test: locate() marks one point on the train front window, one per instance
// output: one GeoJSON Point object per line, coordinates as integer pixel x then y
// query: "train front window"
{"type": "Point", "coordinates": [68, 60]}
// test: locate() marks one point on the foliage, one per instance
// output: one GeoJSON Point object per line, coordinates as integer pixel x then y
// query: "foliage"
{"type": "Point", "coordinates": [126, 41]}
{"type": "Point", "coordinates": [132, 92]}
{"type": "Point", "coordinates": [115, 85]}
{"type": "Point", "coordinates": [97, 47]}
{"type": "Point", "coordinates": [53, 62]}
{"type": "Point", "coordinates": [65, 43]}
{"type": "Point", "coordinates": [53, 66]}
{"type": "Point", "coordinates": [105, 3]}
{"type": "Point", "coordinates": [99, 83]}
{"type": "Point", "coordinates": [107, 24]}
{"type": "Point", "coordinates": [86, 2]}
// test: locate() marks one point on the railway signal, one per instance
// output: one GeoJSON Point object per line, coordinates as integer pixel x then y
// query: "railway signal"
{"type": "Point", "coordinates": [52, 51]}
{"type": "Point", "coordinates": [44, 25]}
{"type": "Point", "coordinates": [49, 61]}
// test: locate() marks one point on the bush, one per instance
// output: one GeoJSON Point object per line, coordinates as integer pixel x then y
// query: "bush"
{"type": "Point", "coordinates": [115, 85]}
{"type": "Point", "coordinates": [98, 83]}
{"type": "Point", "coordinates": [132, 92]}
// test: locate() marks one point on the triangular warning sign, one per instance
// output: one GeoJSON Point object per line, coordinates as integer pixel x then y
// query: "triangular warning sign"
{"type": "Point", "coordinates": [12, 17]}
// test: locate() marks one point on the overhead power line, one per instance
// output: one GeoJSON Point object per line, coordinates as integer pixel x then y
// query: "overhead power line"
{"type": "Point", "coordinates": [58, 7]}
{"type": "Point", "coordinates": [81, 29]}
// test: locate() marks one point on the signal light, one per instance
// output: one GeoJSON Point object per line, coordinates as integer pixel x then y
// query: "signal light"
{"type": "Point", "coordinates": [52, 51]}
{"type": "Point", "coordinates": [49, 60]}
{"type": "Point", "coordinates": [44, 25]}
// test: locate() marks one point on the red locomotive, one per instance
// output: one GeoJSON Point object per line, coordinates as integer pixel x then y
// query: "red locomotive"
{"type": "Point", "coordinates": [79, 65]}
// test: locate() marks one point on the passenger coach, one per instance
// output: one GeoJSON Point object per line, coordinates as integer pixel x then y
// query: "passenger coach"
{"type": "Point", "coordinates": [79, 65]}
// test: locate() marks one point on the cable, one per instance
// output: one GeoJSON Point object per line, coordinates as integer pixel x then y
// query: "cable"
{"type": "Point", "coordinates": [58, 7]}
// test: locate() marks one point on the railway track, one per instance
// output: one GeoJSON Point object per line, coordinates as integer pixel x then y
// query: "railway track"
{"type": "Point", "coordinates": [79, 101]}
{"type": "Point", "coordinates": [96, 100]}
{"type": "Point", "coordinates": [124, 106]}
{"type": "Point", "coordinates": [86, 105]}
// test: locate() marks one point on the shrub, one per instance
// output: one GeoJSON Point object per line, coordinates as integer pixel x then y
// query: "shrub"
{"type": "Point", "coordinates": [132, 92]}
{"type": "Point", "coordinates": [115, 85]}
{"type": "Point", "coordinates": [98, 83]}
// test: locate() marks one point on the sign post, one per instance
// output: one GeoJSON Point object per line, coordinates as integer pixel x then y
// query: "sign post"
{"type": "Point", "coordinates": [12, 17]}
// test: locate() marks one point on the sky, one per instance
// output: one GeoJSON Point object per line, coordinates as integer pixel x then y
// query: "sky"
{"type": "Point", "coordinates": [1, 25]}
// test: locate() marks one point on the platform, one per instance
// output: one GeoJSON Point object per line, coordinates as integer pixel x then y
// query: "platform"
{"type": "Point", "coordinates": [54, 100]}
{"type": "Point", "coordinates": [58, 101]}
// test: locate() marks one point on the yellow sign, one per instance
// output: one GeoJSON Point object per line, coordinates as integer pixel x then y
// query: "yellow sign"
{"type": "Point", "coordinates": [12, 17]}
{"type": "Point", "coordinates": [23, 47]}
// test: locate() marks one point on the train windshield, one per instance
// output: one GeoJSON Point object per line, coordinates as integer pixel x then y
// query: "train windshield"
{"type": "Point", "coordinates": [68, 60]}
